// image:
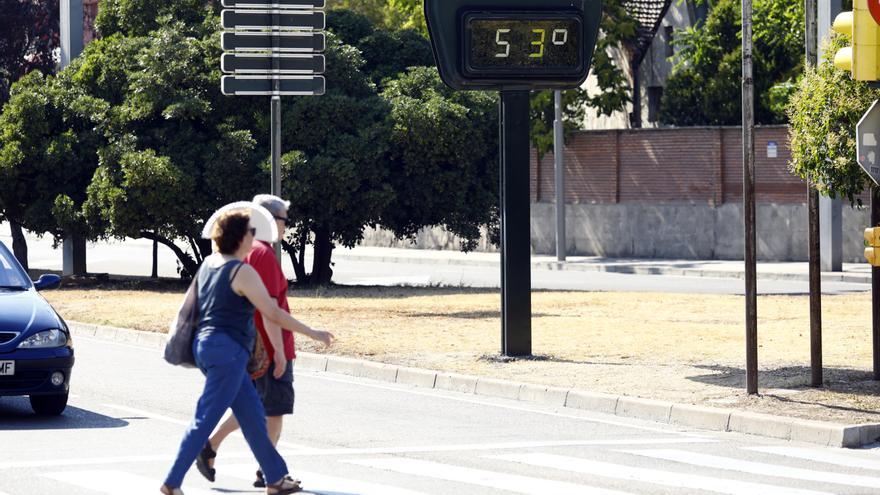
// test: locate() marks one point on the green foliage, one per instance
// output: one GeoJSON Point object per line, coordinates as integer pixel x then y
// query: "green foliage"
{"type": "Point", "coordinates": [140, 17]}
{"type": "Point", "coordinates": [823, 115]}
{"type": "Point", "coordinates": [388, 14]}
{"type": "Point", "coordinates": [28, 37]}
{"type": "Point", "coordinates": [705, 87]}
{"type": "Point", "coordinates": [443, 158]}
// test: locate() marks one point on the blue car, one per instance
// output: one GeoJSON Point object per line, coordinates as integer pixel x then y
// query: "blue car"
{"type": "Point", "coordinates": [36, 352]}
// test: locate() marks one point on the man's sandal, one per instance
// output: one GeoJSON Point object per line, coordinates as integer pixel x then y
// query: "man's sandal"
{"type": "Point", "coordinates": [167, 490]}
{"type": "Point", "coordinates": [260, 482]}
{"type": "Point", "coordinates": [202, 465]}
{"type": "Point", "coordinates": [286, 486]}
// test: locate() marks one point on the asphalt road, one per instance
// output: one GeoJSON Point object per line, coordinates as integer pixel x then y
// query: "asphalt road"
{"type": "Point", "coordinates": [357, 437]}
{"type": "Point", "coordinates": [134, 257]}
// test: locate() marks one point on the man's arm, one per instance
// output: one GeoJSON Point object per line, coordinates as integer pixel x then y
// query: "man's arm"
{"type": "Point", "coordinates": [273, 331]}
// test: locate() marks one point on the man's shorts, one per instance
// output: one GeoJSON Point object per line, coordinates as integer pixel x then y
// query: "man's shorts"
{"type": "Point", "coordinates": [277, 395]}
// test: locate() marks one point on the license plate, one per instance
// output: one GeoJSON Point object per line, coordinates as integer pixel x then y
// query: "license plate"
{"type": "Point", "coordinates": [7, 368]}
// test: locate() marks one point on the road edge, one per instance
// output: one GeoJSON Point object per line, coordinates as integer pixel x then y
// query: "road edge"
{"type": "Point", "coordinates": [689, 415]}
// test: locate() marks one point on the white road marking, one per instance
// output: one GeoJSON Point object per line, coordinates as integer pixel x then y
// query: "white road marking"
{"type": "Point", "coordinates": [827, 456]}
{"type": "Point", "coordinates": [501, 481]}
{"type": "Point", "coordinates": [504, 406]}
{"type": "Point", "coordinates": [115, 482]}
{"type": "Point", "coordinates": [319, 483]}
{"type": "Point", "coordinates": [759, 468]}
{"type": "Point", "coordinates": [83, 461]}
{"type": "Point", "coordinates": [653, 476]}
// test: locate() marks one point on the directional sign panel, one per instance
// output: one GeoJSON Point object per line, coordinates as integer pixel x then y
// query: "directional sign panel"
{"type": "Point", "coordinates": [263, 19]}
{"type": "Point", "coordinates": [288, 42]}
{"type": "Point", "coordinates": [255, 63]}
{"type": "Point", "coordinates": [868, 142]}
{"type": "Point", "coordinates": [274, 4]}
{"type": "Point", "coordinates": [263, 85]}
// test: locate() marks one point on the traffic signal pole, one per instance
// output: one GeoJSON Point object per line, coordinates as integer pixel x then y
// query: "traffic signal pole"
{"type": "Point", "coordinates": [875, 287]}
{"type": "Point", "coordinates": [516, 249]}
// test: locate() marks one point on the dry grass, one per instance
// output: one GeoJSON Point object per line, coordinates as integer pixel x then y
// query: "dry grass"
{"type": "Point", "coordinates": [673, 346]}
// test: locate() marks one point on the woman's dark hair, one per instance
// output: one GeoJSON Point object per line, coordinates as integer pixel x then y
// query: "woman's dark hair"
{"type": "Point", "coordinates": [230, 230]}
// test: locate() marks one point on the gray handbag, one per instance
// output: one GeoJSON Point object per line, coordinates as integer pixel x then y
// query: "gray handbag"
{"type": "Point", "coordinates": [178, 347]}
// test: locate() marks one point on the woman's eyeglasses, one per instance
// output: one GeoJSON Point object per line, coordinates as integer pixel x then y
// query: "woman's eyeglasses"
{"type": "Point", "coordinates": [253, 231]}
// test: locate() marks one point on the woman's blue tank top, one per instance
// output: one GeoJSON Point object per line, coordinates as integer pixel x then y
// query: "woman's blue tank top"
{"type": "Point", "coordinates": [221, 310]}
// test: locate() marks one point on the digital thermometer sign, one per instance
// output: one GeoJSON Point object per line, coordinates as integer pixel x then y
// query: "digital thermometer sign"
{"type": "Point", "coordinates": [512, 45]}
{"type": "Point", "coordinates": [504, 44]}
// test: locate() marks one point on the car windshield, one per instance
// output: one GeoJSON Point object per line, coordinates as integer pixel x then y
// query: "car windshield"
{"type": "Point", "coordinates": [12, 276]}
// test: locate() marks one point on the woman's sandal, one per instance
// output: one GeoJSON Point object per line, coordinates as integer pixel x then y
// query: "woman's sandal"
{"type": "Point", "coordinates": [167, 490]}
{"type": "Point", "coordinates": [202, 465]}
{"type": "Point", "coordinates": [260, 482]}
{"type": "Point", "coordinates": [286, 486]}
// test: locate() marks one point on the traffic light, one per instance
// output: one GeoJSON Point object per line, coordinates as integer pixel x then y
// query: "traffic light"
{"type": "Point", "coordinates": [862, 25]}
{"type": "Point", "coordinates": [872, 249]}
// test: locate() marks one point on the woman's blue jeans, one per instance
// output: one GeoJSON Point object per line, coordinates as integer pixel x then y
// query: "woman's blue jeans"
{"type": "Point", "coordinates": [224, 364]}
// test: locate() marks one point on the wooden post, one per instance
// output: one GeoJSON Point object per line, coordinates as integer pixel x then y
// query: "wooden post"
{"type": "Point", "coordinates": [748, 118]}
{"type": "Point", "coordinates": [816, 379]}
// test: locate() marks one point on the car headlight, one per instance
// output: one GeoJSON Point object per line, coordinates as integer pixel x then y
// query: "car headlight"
{"type": "Point", "coordinates": [45, 339]}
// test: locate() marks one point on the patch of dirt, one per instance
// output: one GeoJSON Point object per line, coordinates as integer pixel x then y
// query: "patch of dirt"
{"type": "Point", "coordinates": [677, 347]}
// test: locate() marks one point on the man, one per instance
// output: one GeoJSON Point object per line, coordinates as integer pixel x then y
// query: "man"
{"type": "Point", "coordinates": [276, 386]}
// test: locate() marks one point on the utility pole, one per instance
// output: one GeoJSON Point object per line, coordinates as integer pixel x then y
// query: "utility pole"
{"type": "Point", "coordinates": [816, 379]}
{"type": "Point", "coordinates": [559, 155]}
{"type": "Point", "coordinates": [748, 141]}
{"type": "Point", "coordinates": [71, 23]}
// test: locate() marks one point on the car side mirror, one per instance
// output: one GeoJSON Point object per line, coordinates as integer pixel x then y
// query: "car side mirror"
{"type": "Point", "coordinates": [48, 281]}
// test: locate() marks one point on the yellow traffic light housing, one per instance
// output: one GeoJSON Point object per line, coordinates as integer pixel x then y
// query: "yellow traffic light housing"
{"type": "Point", "coordinates": [861, 59]}
{"type": "Point", "coordinates": [872, 249]}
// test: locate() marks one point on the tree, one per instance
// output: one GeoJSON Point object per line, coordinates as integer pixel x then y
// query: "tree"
{"type": "Point", "coordinates": [443, 157]}
{"type": "Point", "coordinates": [334, 167]}
{"type": "Point", "coordinates": [704, 88]}
{"type": "Point", "coordinates": [823, 113]}
{"type": "Point", "coordinates": [388, 14]}
{"type": "Point", "coordinates": [28, 37]}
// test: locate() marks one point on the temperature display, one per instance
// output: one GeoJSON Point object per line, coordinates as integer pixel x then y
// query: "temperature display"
{"type": "Point", "coordinates": [522, 44]}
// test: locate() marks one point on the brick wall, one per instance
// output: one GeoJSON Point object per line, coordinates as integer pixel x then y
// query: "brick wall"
{"type": "Point", "coordinates": [700, 165]}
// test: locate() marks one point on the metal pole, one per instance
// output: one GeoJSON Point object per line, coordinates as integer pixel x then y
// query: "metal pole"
{"type": "Point", "coordinates": [559, 155]}
{"type": "Point", "coordinates": [875, 287]}
{"type": "Point", "coordinates": [516, 280]}
{"type": "Point", "coordinates": [814, 248]}
{"type": "Point", "coordinates": [276, 121]}
{"type": "Point", "coordinates": [748, 117]}
{"type": "Point", "coordinates": [830, 210]}
{"type": "Point", "coordinates": [70, 17]}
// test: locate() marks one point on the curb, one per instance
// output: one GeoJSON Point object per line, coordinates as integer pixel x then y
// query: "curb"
{"type": "Point", "coordinates": [687, 415]}
{"type": "Point", "coordinates": [628, 269]}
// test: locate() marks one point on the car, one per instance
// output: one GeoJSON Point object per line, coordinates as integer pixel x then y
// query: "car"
{"type": "Point", "coordinates": [36, 351]}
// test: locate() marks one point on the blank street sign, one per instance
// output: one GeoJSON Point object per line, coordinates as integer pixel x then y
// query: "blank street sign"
{"type": "Point", "coordinates": [868, 142]}
{"type": "Point", "coordinates": [273, 4]}
{"type": "Point", "coordinates": [262, 19]}
{"type": "Point", "coordinates": [254, 63]}
{"type": "Point", "coordinates": [262, 85]}
{"type": "Point", "coordinates": [302, 42]}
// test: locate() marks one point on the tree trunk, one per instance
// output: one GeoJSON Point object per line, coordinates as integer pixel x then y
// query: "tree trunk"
{"type": "Point", "coordinates": [299, 268]}
{"type": "Point", "coordinates": [19, 244]}
{"type": "Point", "coordinates": [322, 272]}
{"type": "Point", "coordinates": [190, 266]}
{"type": "Point", "coordinates": [79, 254]}
{"type": "Point", "coordinates": [206, 248]}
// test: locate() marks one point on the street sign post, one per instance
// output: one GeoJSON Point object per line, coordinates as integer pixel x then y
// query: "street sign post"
{"type": "Point", "coordinates": [271, 51]}
{"type": "Point", "coordinates": [514, 46]}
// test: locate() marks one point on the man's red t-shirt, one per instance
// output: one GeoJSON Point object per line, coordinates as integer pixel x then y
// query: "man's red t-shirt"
{"type": "Point", "coordinates": [262, 258]}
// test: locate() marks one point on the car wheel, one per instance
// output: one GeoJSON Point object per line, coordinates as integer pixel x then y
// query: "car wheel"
{"type": "Point", "coordinates": [49, 405]}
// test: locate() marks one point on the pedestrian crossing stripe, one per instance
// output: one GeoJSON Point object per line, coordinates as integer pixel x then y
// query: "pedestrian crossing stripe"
{"type": "Point", "coordinates": [652, 476]}
{"type": "Point", "coordinates": [759, 468]}
{"type": "Point", "coordinates": [318, 483]}
{"type": "Point", "coordinates": [827, 456]}
{"type": "Point", "coordinates": [115, 482]}
{"type": "Point", "coordinates": [491, 479]}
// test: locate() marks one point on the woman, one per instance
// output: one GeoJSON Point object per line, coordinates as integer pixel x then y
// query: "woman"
{"type": "Point", "coordinates": [228, 292]}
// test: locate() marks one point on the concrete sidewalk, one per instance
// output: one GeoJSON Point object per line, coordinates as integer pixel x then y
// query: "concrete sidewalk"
{"type": "Point", "coordinates": [857, 273]}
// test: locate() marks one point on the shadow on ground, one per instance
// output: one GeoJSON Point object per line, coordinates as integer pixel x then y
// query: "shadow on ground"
{"type": "Point", "coordinates": [844, 389]}
{"type": "Point", "coordinates": [16, 414]}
